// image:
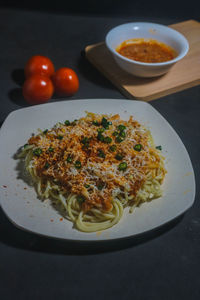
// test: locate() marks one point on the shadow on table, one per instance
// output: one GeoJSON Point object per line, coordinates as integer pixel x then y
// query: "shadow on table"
{"type": "Point", "coordinates": [15, 95]}
{"type": "Point", "coordinates": [14, 237]}
{"type": "Point", "coordinates": [89, 72]}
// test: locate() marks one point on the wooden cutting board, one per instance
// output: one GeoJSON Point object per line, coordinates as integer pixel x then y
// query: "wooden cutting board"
{"type": "Point", "coordinates": [183, 75]}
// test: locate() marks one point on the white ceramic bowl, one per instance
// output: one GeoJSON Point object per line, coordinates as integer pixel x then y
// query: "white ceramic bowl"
{"type": "Point", "coordinates": [146, 30]}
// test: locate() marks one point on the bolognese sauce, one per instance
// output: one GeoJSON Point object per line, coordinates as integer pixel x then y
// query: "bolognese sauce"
{"type": "Point", "coordinates": [148, 51]}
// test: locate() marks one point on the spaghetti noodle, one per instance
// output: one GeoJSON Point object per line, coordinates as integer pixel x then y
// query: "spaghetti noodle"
{"type": "Point", "coordinates": [94, 167]}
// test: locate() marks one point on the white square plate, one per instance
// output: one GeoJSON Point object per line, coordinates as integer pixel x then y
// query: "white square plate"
{"type": "Point", "coordinates": [22, 206]}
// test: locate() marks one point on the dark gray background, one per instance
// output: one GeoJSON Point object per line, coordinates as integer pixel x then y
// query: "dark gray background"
{"type": "Point", "coordinates": [162, 264]}
{"type": "Point", "coordinates": [114, 8]}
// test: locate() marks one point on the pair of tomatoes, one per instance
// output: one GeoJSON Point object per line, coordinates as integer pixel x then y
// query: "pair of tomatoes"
{"type": "Point", "coordinates": [42, 80]}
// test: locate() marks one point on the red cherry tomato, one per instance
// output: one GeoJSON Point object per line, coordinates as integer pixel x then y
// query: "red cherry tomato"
{"type": "Point", "coordinates": [39, 65]}
{"type": "Point", "coordinates": [37, 89]}
{"type": "Point", "coordinates": [65, 82]}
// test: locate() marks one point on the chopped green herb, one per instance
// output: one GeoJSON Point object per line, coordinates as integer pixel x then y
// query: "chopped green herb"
{"type": "Point", "coordinates": [26, 145]}
{"type": "Point", "coordinates": [122, 166]}
{"type": "Point", "coordinates": [74, 122]}
{"type": "Point", "coordinates": [80, 199]}
{"type": "Point", "coordinates": [121, 127]}
{"type": "Point", "coordinates": [100, 186]}
{"type": "Point", "coordinates": [45, 131]}
{"type": "Point", "coordinates": [138, 147]}
{"type": "Point", "coordinates": [107, 140]}
{"type": "Point", "coordinates": [96, 123]}
{"type": "Point", "coordinates": [77, 164]}
{"type": "Point", "coordinates": [60, 137]}
{"type": "Point", "coordinates": [115, 133]}
{"type": "Point", "coordinates": [51, 149]}
{"type": "Point", "coordinates": [101, 153]}
{"type": "Point", "coordinates": [85, 140]}
{"type": "Point", "coordinates": [69, 158]}
{"type": "Point", "coordinates": [67, 122]}
{"type": "Point", "coordinates": [122, 134]}
{"type": "Point", "coordinates": [100, 130]}
{"type": "Point", "coordinates": [159, 147]}
{"type": "Point", "coordinates": [105, 123]}
{"type": "Point", "coordinates": [86, 186]}
{"type": "Point", "coordinates": [119, 139]}
{"type": "Point", "coordinates": [100, 137]}
{"type": "Point", "coordinates": [119, 156]}
{"type": "Point", "coordinates": [113, 148]}
{"type": "Point", "coordinates": [37, 151]}
{"type": "Point", "coordinates": [47, 165]}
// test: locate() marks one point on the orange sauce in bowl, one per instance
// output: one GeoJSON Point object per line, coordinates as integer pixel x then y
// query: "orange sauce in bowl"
{"type": "Point", "coordinates": [148, 51]}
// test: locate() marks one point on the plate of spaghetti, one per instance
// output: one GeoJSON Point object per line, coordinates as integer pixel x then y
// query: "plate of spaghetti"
{"type": "Point", "coordinates": [93, 169]}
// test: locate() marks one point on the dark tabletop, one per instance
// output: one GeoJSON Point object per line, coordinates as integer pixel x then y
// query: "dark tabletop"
{"type": "Point", "coordinates": [162, 264]}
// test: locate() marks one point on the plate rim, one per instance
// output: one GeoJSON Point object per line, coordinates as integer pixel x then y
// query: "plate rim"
{"type": "Point", "coordinates": [95, 238]}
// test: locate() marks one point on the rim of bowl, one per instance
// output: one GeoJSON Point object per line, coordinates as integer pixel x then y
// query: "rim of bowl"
{"type": "Point", "coordinates": [177, 58]}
